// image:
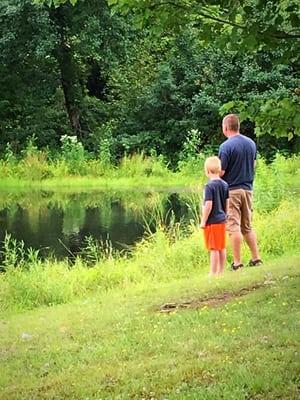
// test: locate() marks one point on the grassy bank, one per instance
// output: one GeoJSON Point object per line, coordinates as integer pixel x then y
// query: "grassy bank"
{"type": "Point", "coordinates": [70, 183]}
{"type": "Point", "coordinates": [169, 254]}
{"type": "Point", "coordinates": [137, 171]}
{"type": "Point", "coordinates": [117, 345]}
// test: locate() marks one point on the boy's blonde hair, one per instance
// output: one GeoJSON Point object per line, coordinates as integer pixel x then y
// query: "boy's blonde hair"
{"type": "Point", "coordinates": [213, 165]}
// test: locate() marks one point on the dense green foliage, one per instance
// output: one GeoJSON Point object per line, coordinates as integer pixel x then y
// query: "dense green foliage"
{"type": "Point", "coordinates": [54, 69]}
{"type": "Point", "coordinates": [147, 75]}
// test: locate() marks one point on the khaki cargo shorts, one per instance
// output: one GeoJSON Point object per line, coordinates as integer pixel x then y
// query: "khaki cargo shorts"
{"type": "Point", "coordinates": [240, 211]}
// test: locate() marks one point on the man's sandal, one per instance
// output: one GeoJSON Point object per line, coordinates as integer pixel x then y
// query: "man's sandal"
{"type": "Point", "coordinates": [255, 263]}
{"type": "Point", "coordinates": [236, 267]}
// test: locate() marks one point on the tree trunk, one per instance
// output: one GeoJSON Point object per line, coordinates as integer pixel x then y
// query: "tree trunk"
{"type": "Point", "coordinates": [68, 71]}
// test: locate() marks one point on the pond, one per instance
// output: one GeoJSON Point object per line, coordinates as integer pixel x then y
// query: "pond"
{"type": "Point", "coordinates": [59, 223]}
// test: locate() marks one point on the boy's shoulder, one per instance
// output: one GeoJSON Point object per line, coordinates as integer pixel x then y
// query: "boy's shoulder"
{"type": "Point", "coordinates": [225, 184]}
{"type": "Point", "coordinates": [217, 183]}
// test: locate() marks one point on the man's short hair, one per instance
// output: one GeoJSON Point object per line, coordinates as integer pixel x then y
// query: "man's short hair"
{"type": "Point", "coordinates": [232, 122]}
{"type": "Point", "coordinates": [212, 165]}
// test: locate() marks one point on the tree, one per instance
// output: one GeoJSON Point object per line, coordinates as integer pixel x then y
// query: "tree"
{"type": "Point", "coordinates": [250, 23]}
{"type": "Point", "coordinates": [255, 25]}
{"type": "Point", "coordinates": [61, 18]}
{"type": "Point", "coordinates": [54, 68]}
{"type": "Point", "coordinates": [31, 102]}
{"type": "Point", "coordinates": [187, 92]}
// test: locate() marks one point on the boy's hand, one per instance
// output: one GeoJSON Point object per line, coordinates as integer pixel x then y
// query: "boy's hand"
{"type": "Point", "coordinates": [202, 225]}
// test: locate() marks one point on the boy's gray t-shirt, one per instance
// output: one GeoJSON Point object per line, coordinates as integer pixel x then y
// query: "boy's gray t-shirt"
{"type": "Point", "coordinates": [237, 155]}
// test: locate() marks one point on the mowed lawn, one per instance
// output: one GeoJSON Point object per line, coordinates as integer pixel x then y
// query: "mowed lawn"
{"type": "Point", "coordinates": [241, 344]}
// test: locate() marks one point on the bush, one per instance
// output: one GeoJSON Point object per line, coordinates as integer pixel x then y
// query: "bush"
{"type": "Point", "coordinates": [72, 152]}
{"type": "Point", "coordinates": [140, 165]}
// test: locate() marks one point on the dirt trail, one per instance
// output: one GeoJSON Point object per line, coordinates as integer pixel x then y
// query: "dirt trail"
{"type": "Point", "coordinates": [213, 301]}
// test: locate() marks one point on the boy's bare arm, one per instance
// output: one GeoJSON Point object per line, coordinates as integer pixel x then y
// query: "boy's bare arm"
{"type": "Point", "coordinates": [206, 209]}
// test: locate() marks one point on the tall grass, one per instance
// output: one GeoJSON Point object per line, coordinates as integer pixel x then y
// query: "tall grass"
{"type": "Point", "coordinates": [276, 181]}
{"type": "Point", "coordinates": [168, 254]}
{"type": "Point", "coordinates": [36, 167]}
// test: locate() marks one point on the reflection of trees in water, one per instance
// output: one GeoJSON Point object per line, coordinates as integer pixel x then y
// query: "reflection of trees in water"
{"type": "Point", "coordinates": [35, 216]}
{"type": "Point", "coordinates": [73, 218]}
{"type": "Point", "coordinates": [39, 229]}
{"type": "Point", "coordinates": [4, 223]}
{"type": "Point", "coordinates": [64, 220]}
{"type": "Point", "coordinates": [192, 202]}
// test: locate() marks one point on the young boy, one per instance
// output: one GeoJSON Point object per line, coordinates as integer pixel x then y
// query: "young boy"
{"type": "Point", "coordinates": [214, 211]}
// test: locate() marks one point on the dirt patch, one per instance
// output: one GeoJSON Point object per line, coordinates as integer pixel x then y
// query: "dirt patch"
{"type": "Point", "coordinates": [214, 301]}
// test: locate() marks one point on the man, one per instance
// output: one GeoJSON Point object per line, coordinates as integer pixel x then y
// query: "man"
{"type": "Point", "coordinates": [238, 157]}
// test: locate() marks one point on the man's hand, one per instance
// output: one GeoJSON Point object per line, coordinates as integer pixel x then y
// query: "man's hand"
{"type": "Point", "coordinates": [202, 225]}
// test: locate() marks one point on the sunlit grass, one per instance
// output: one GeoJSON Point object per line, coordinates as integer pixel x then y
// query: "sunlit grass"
{"type": "Point", "coordinates": [117, 345]}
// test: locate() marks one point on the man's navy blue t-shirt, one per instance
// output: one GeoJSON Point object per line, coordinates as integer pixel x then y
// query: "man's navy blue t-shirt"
{"type": "Point", "coordinates": [217, 191]}
{"type": "Point", "coordinates": [237, 156]}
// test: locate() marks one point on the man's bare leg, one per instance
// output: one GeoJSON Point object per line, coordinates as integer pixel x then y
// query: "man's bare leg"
{"type": "Point", "coordinates": [236, 242]}
{"type": "Point", "coordinates": [251, 241]}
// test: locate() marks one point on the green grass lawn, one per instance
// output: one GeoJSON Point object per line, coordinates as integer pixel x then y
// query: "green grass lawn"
{"type": "Point", "coordinates": [118, 345]}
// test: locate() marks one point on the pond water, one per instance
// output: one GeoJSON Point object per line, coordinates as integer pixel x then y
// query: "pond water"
{"type": "Point", "coordinates": [58, 223]}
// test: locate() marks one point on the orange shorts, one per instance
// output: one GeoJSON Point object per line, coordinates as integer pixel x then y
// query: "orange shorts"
{"type": "Point", "coordinates": [214, 236]}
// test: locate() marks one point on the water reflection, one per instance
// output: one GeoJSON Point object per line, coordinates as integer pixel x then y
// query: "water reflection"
{"type": "Point", "coordinates": [58, 223]}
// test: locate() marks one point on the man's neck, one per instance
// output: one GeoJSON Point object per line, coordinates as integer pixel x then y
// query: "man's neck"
{"type": "Point", "coordinates": [232, 134]}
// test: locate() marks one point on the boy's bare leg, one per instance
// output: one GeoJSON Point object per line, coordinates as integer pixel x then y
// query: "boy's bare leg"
{"type": "Point", "coordinates": [236, 242]}
{"type": "Point", "coordinates": [222, 261]}
{"type": "Point", "coordinates": [214, 262]}
{"type": "Point", "coordinates": [251, 241]}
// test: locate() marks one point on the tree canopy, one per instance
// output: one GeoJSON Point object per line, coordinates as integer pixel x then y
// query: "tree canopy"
{"type": "Point", "coordinates": [147, 73]}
